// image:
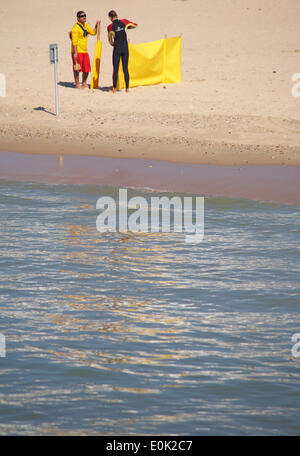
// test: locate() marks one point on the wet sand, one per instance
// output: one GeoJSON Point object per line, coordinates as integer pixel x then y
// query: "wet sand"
{"type": "Point", "coordinates": [271, 183]}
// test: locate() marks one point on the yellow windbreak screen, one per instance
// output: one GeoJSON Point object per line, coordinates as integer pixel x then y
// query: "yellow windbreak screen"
{"type": "Point", "coordinates": [153, 63]}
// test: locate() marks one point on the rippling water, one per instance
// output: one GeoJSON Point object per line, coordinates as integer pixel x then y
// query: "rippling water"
{"type": "Point", "coordinates": [136, 334]}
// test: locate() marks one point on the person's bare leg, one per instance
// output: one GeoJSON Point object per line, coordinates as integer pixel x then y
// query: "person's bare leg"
{"type": "Point", "coordinates": [113, 90]}
{"type": "Point", "coordinates": [76, 77]}
{"type": "Point", "coordinates": [84, 79]}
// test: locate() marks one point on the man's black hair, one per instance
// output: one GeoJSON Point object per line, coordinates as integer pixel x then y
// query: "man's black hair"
{"type": "Point", "coordinates": [112, 14]}
{"type": "Point", "coordinates": [79, 13]}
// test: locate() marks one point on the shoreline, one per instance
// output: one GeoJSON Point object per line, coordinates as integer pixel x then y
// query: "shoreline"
{"type": "Point", "coordinates": [252, 140]}
{"type": "Point", "coordinates": [265, 183]}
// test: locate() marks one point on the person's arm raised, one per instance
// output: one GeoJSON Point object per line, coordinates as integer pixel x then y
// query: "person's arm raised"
{"type": "Point", "coordinates": [129, 24]}
{"type": "Point", "coordinates": [95, 28]}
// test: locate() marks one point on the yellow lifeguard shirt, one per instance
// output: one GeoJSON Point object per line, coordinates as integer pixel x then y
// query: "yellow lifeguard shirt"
{"type": "Point", "coordinates": [78, 38]}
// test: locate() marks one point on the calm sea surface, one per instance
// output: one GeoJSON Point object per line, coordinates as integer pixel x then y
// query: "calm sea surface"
{"type": "Point", "coordinates": [144, 334]}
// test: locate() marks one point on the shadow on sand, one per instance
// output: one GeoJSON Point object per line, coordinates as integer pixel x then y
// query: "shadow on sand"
{"type": "Point", "coordinates": [41, 108]}
{"type": "Point", "coordinates": [69, 85]}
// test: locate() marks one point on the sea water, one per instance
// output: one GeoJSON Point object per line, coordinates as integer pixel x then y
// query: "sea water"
{"type": "Point", "coordinates": [143, 333]}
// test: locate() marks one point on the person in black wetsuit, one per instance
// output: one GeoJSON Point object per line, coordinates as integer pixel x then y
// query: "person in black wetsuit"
{"type": "Point", "coordinates": [117, 37]}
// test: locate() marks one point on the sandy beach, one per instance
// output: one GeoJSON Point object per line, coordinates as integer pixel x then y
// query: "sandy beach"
{"type": "Point", "coordinates": [233, 107]}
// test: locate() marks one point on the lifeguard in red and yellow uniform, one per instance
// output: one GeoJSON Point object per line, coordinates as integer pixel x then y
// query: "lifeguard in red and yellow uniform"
{"type": "Point", "coordinates": [80, 56]}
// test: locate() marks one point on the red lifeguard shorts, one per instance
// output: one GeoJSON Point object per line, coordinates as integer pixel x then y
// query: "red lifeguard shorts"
{"type": "Point", "coordinates": [84, 62]}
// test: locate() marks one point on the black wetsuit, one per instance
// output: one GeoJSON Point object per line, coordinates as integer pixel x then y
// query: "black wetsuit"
{"type": "Point", "coordinates": [120, 51]}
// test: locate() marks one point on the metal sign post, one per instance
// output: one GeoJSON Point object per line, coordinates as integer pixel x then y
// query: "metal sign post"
{"type": "Point", "coordinates": [54, 59]}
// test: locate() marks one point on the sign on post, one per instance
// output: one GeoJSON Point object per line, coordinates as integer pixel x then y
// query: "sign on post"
{"type": "Point", "coordinates": [53, 60]}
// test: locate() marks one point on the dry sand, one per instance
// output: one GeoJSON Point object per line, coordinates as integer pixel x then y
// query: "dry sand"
{"type": "Point", "coordinates": [233, 107]}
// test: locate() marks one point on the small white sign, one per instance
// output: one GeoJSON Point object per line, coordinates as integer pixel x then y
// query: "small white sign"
{"type": "Point", "coordinates": [53, 53]}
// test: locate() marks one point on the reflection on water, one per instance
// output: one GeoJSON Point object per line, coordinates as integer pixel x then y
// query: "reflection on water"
{"type": "Point", "coordinates": [142, 333]}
